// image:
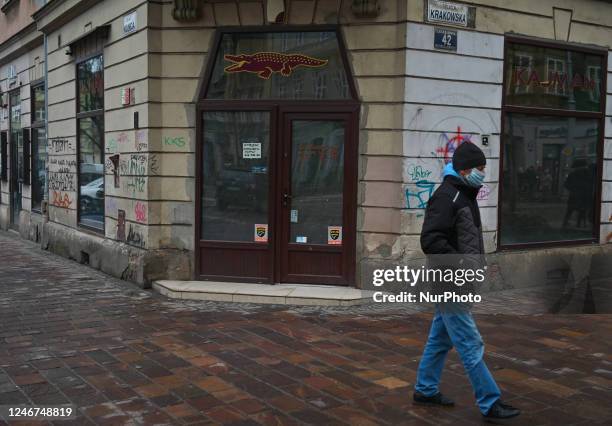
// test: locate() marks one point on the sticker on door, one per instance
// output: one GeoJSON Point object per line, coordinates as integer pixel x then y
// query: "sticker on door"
{"type": "Point", "coordinates": [334, 235]}
{"type": "Point", "coordinates": [251, 150]}
{"type": "Point", "coordinates": [261, 232]}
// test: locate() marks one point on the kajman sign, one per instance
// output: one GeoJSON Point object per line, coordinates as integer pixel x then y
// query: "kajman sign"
{"type": "Point", "coordinates": [560, 81]}
{"type": "Point", "coordinates": [443, 12]}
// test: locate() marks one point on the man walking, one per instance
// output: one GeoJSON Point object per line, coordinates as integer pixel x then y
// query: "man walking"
{"type": "Point", "coordinates": [452, 227]}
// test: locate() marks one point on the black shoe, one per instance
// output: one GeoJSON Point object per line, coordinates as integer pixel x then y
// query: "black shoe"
{"type": "Point", "coordinates": [437, 399]}
{"type": "Point", "coordinates": [499, 410]}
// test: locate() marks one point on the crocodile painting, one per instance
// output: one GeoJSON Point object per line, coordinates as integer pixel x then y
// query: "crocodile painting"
{"type": "Point", "coordinates": [264, 64]}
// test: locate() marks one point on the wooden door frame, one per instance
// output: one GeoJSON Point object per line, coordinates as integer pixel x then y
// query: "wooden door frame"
{"type": "Point", "coordinates": [600, 116]}
{"type": "Point", "coordinates": [348, 115]}
{"type": "Point", "coordinates": [277, 111]}
{"type": "Point", "coordinates": [199, 243]}
{"type": "Point", "coordinates": [277, 108]}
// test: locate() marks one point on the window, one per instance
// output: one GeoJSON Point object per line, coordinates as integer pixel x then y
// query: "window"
{"type": "Point", "coordinates": [522, 63]}
{"type": "Point", "coordinates": [90, 131]}
{"type": "Point", "coordinates": [594, 74]}
{"type": "Point", "coordinates": [16, 135]}
{"type": "Point", "coordinates": [555, 70]}
{"type": "Point", "coordinates": [235, 190]}
{"type": "Point", "coordinates": [546, 77]}
{"type": "Point", "coordinates": [38, 140]}
{"type": "Point", "coordinates": [279, 65]}
{"type": "Point", "coordinates": [550, 162]}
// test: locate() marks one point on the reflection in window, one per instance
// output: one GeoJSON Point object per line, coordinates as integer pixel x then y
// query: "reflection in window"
{"type": "Point", "coordinates": [39, 167]}
{"type": "Point", "coordinates": [38, 147]}
{"type": "Point", "coordinates": [16, 136]}
{"type": "Point", "coordinates": [594, 74]}
{"type": "Point", "coordinates": [235, 174]}
{"type": "Point", "coordinates": [555, 70]}
{"type": "Point", "coordinates": [38, 103]}
{"type": "Point", "coordinates": [549, 178]}
{"type": "Point", "coordinates": [317, 177]}
{"type": "Point", "coordinates": [522, 64]}
{"type": "Point", "coordinates": [546, 77]}
{"type": "Point", "coordinates": [278, 65]}
{"type": "Point", "coordinates": [90, 86]}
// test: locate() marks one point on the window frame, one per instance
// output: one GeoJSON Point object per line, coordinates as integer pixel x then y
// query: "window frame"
{"type": "Point", "coordinates": [37, 125]}
{"type": "Point", "coordinates": [277, 107]}
{"type": "Point", "coordinates": [599, 115]}
{"type": "Point", "coordinates": [83, 115]}
{"type": "Point", "coordinates": [216, 44]}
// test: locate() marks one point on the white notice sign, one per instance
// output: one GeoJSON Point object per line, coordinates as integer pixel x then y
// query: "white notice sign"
{"type": "Point", "coordinates": [129, 23]}
{"type": "Point", "coordinates": [251, 150]}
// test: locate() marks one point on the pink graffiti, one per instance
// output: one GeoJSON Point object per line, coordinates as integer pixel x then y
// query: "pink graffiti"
{"type": "Point", "coordinates": [484, 193]}
{"type": "Point", "coordinates": [140, 212]}
{"type": "Point", "coordinates": [122, 138]}
{"type": "Point", "coordinates": [450, 144]}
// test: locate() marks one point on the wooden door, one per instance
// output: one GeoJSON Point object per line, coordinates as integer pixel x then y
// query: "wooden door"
{"type": "Point", "coordinates": [317, 206]}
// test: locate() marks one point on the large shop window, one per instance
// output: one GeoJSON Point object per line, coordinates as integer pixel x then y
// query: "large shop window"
{"type": "Point", "coordinates": [39, 147]}
{"type": "Point", "coordinates": [551, 150]}
{"type": "Point", "coordinates": [90, 130]}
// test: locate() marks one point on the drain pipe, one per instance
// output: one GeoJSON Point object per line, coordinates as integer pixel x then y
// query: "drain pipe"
{"type": "Point", "coordinates": [45, 200]}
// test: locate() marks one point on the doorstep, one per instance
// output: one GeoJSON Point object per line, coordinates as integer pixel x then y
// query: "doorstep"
{"type": "Point", "coordinates": [282, 294]}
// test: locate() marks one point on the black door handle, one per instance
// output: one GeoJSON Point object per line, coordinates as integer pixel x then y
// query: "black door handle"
{"type": "Point", "coordinates": [286, 198]}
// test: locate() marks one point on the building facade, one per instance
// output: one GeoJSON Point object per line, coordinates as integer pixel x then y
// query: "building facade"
{"type": "Point", "coordinates": [299, 141]}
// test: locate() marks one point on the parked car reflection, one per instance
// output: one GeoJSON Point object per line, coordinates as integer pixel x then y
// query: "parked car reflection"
{"type": "Point", "coordinates": [243, 188]}
{"type": "Point", "coordinates": [92, 199]}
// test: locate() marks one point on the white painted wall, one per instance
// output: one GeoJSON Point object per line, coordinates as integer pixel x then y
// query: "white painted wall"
{"type": "Point", "coordinates": [450, 96]}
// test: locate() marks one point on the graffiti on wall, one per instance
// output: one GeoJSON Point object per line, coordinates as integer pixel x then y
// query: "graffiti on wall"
{"type": "Point", "coordinates": [60, 146]}
{"type": "Point", "coordinates": [178, 141]}
{"type": "Point", "coordinates": [418, 194]}
{"type": "Point", "coordinates": [134, 166]}
{"type": "Point", "coordinates": [111, 165]}
{"type": "Point", "coordinates": [62, 180]}
{"type": "Point", "coordinates": [418, 172]}
{"type": "Point", "coordinates": [140, 212]}
{"type": "Point", "coordinates": [420, 187]}
{"type": "Point", "coordinates": [483, 193]}
{"type": "Point", "coordinates": [121, 225]}
{"type": "Point", "coordinates": [450, 142]}
{"type": "Point", "coordinates": [61, 200]}
{"type": "Point", "coordinates": [135, 237]}
{"type": "Point", "coordinates": [141, 141]}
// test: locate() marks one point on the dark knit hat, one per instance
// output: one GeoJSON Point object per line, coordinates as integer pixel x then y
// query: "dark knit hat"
{"type": "Point", "coordinates": [467, 156]}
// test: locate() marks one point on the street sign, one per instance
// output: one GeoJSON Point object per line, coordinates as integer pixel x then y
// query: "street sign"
{"type": "Point", "coordinates": [445, 39]}
{"type": "Point", "coordinates": [450, 13]}
{"type": "Point", "coordinates": [129, 23]}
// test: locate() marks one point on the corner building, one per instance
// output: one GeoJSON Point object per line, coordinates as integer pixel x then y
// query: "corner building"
{"type": "Point", "coordinates": [299, 141]}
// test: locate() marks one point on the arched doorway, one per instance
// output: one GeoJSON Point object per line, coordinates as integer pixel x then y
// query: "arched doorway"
{"type": "Point", "coordinates": [277, 158]}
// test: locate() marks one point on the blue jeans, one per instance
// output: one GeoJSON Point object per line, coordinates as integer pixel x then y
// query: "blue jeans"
{"type": "Point", "coordinates": [458, 330]}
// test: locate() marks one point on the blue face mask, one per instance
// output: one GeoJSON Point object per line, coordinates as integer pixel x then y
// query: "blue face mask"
{"type": "Point", "coordinates": [475, 178]}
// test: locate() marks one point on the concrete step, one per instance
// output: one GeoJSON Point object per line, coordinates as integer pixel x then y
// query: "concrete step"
{"type": "Point", "coordinates": [283, 294]}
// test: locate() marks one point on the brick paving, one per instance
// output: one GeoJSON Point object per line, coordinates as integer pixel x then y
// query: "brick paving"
{"type": "Point", "coordinates": [122, 355]}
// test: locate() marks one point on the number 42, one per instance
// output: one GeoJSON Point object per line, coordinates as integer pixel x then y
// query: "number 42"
{"type": "Point", "coordinates": [447, 39]}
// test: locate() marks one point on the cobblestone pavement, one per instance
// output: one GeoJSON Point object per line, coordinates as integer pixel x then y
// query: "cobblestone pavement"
{"type": "Point", "coordinates": [69, 334]}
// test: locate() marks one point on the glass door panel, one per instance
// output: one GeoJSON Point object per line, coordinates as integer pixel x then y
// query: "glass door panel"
{"type": "Point", "coordinates": [235, 226]}
{"type": "Point", "coordinates": [315, 207]}
{"type": "Point", "coordinates": [235, 176]}
{"type": "Point", "coordinates": [317, 176]}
